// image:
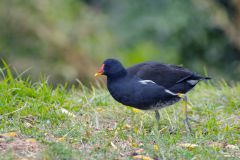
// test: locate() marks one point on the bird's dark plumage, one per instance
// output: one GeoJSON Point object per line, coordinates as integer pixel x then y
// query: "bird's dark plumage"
{"type": "Point", "coordinates": [175, 78]}
{"type": "Point", "coordinates": [150, 85]}
{"type": "Point", "coordinates": [133, 91]}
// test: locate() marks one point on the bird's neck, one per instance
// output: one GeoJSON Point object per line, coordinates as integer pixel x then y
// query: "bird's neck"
{"type": "Point", "coordinates": [117, 75]}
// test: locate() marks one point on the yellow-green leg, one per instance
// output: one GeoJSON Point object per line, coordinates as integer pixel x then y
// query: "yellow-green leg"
{"type": "Point", "coordinates": [186, 120]}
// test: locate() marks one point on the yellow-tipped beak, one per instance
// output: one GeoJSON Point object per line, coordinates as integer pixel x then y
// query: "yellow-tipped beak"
{"type": "Point", "coordinates": [97, 74]}
{"type": "Point", "coordinates": [100, 72]}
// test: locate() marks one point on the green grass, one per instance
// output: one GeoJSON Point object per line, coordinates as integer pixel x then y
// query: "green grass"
{"type": "Point", "coordinates": [105, 129]}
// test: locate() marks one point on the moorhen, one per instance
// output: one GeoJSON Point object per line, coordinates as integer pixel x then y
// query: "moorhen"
{"type": "Point", "coordinates": [149, 85]}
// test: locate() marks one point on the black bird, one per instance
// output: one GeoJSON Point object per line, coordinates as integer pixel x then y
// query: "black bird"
{"type": "Point", "coordinates": [149, 85]}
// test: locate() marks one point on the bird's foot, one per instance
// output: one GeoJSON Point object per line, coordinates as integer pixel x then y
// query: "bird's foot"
{"type": "Point", "coordinates": [187, 123]}
{"type": "Point", "coordinates": [193, 120]}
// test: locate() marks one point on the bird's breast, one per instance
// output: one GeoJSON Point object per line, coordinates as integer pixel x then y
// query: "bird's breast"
{"type": "Point", "coordinates": [122, 93]}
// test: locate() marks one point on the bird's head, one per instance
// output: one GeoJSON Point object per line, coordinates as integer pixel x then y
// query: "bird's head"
{"type": "Point", "coordinates": [111, 68]}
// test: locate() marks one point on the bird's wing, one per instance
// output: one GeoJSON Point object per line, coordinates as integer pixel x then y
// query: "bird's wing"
{"type": "Point", "coordinates": [148, 93]}
{"type": "Point", "coordinates": [162, 74]}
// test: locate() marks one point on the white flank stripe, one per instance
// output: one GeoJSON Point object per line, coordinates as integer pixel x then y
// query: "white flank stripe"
{"type": "Point", "coordinates": [170, 92]}
{"type": "Point", "coordinates": [146, 81]}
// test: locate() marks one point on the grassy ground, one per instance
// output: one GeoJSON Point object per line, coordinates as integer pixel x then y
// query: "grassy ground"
{"type": "Point", "coordinates": [39, 122]}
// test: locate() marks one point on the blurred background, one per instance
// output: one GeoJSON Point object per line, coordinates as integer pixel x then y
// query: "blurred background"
{"type": "Point", "coordinates": [68, 39]}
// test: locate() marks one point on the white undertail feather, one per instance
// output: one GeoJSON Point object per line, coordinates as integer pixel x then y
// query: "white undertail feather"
{"type": "Point", "coordinates": [192, 82]}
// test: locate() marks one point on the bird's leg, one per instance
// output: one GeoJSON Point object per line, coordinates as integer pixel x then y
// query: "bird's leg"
{"type": "Point", "coordinates": [186, 120]}
{"type": "Point", "coordinates": [186, 109]}
{"type": "Point", "coordinates": [187, 124]}
{"type": "Point", "coordinates": [157, 115]}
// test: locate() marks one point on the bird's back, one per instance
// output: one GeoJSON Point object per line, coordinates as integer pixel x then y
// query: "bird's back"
{"type": "Point", "coordinates": [174, 78]}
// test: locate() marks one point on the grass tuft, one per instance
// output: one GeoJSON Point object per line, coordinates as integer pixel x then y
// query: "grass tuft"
{"type": "Point", "coordinates": [86, 123]}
